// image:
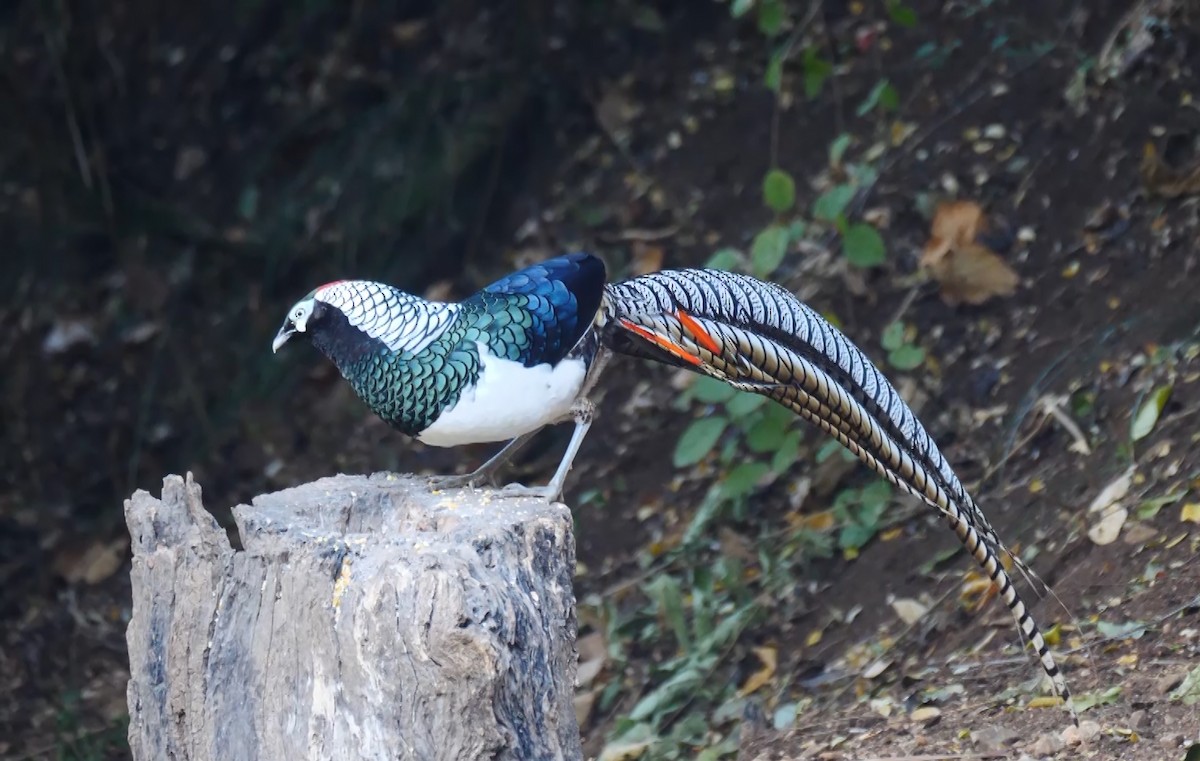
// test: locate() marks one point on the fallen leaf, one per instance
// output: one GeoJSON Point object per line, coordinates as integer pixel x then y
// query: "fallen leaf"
{"type": "Point", "coordinates": [585, 702]}
{"type": "Point", "coordinates": [66, 334]}
{"type": "Point", "coordinates": [876, 668]}
{"type": "Point", "coordinates": [1044, 701]}
{"type": "Point", "coordinates": [971, 274]}
{"type": "Point", "coordinates": [1190, 512]}
{"type": "Point", "coordinates": [1165, 181]}
{"type": "Point", "coordinates": [646, 258]}
{"type": "Point", "coordinates": [1109, 527]}
{"type": "Point", "coordinates": [769, 658]}
{"type": "Point", "coordinates": [910, 611]}
{"type": "Point", "coordinates": [925, 714]}
{"type": "Point", "coordinates": [94, 563]}
{"type": "Point", "coordinates": [1188, 690]}
{"type": "Point", "coordinates": [1147, 415]}
{"type": "Point", "coordinates": [822, 521]}
{"type": "Point", "coordinates": [968, 271]}
{"type": "Point", "coordinates": [1114, 491]}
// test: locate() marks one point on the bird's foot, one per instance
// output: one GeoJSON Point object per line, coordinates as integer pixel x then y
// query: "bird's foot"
{"type": "Point", "coordinates": [519, 491]}
{"type": "Point", "coordinates": [474, 480]}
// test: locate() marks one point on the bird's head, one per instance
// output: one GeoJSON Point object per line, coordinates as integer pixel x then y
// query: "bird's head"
{"type": "Point", "coordinates": [305, 315]}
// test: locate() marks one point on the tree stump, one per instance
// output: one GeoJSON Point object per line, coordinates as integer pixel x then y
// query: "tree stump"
{"type": "Point", "coordinates": [365, 618]}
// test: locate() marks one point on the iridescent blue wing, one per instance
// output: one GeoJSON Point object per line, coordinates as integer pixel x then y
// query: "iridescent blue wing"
{"type": "Point", "coordinates": [539, 313]}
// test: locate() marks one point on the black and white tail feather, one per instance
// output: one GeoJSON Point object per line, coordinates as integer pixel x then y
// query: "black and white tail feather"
{"type": "Point", "coordinates": [758, 337]}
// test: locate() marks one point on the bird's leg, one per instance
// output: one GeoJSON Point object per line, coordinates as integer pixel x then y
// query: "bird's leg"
{"type": "Point", "coordinates": [485, 472]}
{"type": "Point", "coordinates": [581, 412]}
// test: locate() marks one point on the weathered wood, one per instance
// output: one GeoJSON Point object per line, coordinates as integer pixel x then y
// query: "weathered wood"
{"type": "Point", "coordinates": [365, 618]}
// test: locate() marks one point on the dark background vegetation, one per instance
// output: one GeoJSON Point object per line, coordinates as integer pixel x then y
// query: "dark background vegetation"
{"type": "Point", "coordinates": [173, 176]}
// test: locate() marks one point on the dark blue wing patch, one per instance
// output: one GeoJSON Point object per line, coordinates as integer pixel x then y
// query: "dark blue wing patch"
{"type": "Point", "coordinates": [538, 314]}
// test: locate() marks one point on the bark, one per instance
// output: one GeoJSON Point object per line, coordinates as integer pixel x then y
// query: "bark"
{"type": "Point", "coordinates": [365, 618]}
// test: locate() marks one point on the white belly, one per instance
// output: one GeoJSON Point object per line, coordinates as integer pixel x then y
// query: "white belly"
{"type": "Point", "coordinates": [508, 400]}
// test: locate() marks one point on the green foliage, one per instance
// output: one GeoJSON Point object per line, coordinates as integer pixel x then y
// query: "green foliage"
{"type": "Point", "coordinates": [769, 247]}
{"type": "Point", "coordinates": [1146, 416]}
{"type": "Point", "coordinates": [830, 205]}
{"type": "Point", "coordinates": [816, 71]}
{"type": "Point", "coordinates": [903, 354]}
{"type": "Point", "coordinates": [698, 440]}
{"type": "Point", "coordinates": [771, 15]}
{"type": "Point", "coordinates": [863, 245]}
{"type": "Point", "coordinates": [883, 96]}
{"type": "Point", "coordinates": [779, 190]}
{"type": "Point", "coordinates": [901, 14]}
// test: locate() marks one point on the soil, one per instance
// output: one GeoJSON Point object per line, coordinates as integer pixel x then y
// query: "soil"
{"type": "Point", "coordinates": [1105, 312]}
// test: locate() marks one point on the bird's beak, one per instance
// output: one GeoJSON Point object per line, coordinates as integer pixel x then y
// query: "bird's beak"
{"type": "Point", "coordinates": [287, 331]}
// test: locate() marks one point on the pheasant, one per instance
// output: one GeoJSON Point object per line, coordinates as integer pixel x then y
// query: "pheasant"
{"type": "Point", "coordinates": [525, 352]}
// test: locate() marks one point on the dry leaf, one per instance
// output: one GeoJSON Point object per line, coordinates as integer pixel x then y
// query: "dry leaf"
{"type": "Point", "coordinates": [968, 271]}
{"type": "Point", "coordinates": [1114, 491]}
{"type": "Point", "coordinates": [646, 258]}
{"type": "Point", "coordinates": [1109, 527]}
{"type": "Point", "coordinates": [93, 564]}
{"type": "Point", "coordinates": [876, 668]}
{"type": "Point", "coordinates": [585, 702]}
{"type": "Point", "coordinates": [1164, 181]}
{"type": "Point", "coordinates": [925, 714]}
{"type": "Point", "coordinates": [822, 521]}
{"type": "Point", "coordinates": [1190, 512]}
{"type": "Point", "coordinates": [910, 611]}
{"type": "Point", "coordinates": [769, 659]}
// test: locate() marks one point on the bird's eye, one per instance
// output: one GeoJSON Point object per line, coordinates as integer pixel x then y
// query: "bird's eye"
{"type": "Point", "coordinates": [299, 313]}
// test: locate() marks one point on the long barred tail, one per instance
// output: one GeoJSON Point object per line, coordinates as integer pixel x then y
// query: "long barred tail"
{"type": "Point", "coordinates": [757, 337]}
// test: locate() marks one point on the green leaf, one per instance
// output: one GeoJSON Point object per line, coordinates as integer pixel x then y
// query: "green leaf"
{"type": "Point", "coordinates": [743, 403]}
{"type": "Point", "coordinates": [902, 15]}
{"type": "Point", "coordinates": [698, 440]}
{"type": "Point", "coordinates": [771, 14]}
{"type": "Point", "coordinates": [779, 190]}
{"type": "Point", "coordinates": [670, 693]}
{"type": "Point", "coordinates": [1089, 700]}
{"type": "Point", "coordinates": [768, 250]}
{"type": "Point", "coordinates": [248, 203]}
{"type": "Point", "coordinates": [740, 8]}
{"type": "Point", "coordinates": [837, 149]}
{"type": "Point", "coordinates": [892, 337]}
{"type": "Point", "coordinates": [712, 391]}
{"type": "Point", "coordinates": [725, 259]}
{"type": "Point", "coordinates": [742, 479]}
{"type": "Point", "coordinates": [854, 535]}
{"type": "Point", "coordinates": [796, 230]}
{"type": "Point", "coordinates": [883, 96]}
{"type": "Point", "coordinates": [1188, 690]}
{"type": "Point", "coordinates": [863, 245]}
{"type": "Point", "coordinates": [768, 434]}
{"type": "Point", "coordinates": [1147, 416]}
{"type": "Point", "coordinates": [816, 71]}
{"type": "Point", "coordinates": [907, 357]}
{"type": "Point", "coordinates": [1126, 630]}
{"type": "Point", "coordinates": [666, 592]}
{"type": "Point", "coordinates": [830, 204]}
{"type": "Point", "coordinates": [773, 78]}
{"type": "Point", "coordinates": [788, 452]}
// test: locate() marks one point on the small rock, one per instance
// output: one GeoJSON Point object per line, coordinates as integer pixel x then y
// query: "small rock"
{"type": "Point", "coordinates": [1171, 741]}
{"type": "Point", "coordinates": [993, 737]}
{"type": "Point", "coordinates": [1047, 745]}
{"type": "Point", "coordinates": [67, 334]}
{"type": "Point", "coordinates": [1084, 733]}
{"type": "Point", "coordinates": [1170, 681]}
{"type": "Point", "coordinates": [1139, 720]}
{"type": "Point", "coordinates": [994, 132]}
